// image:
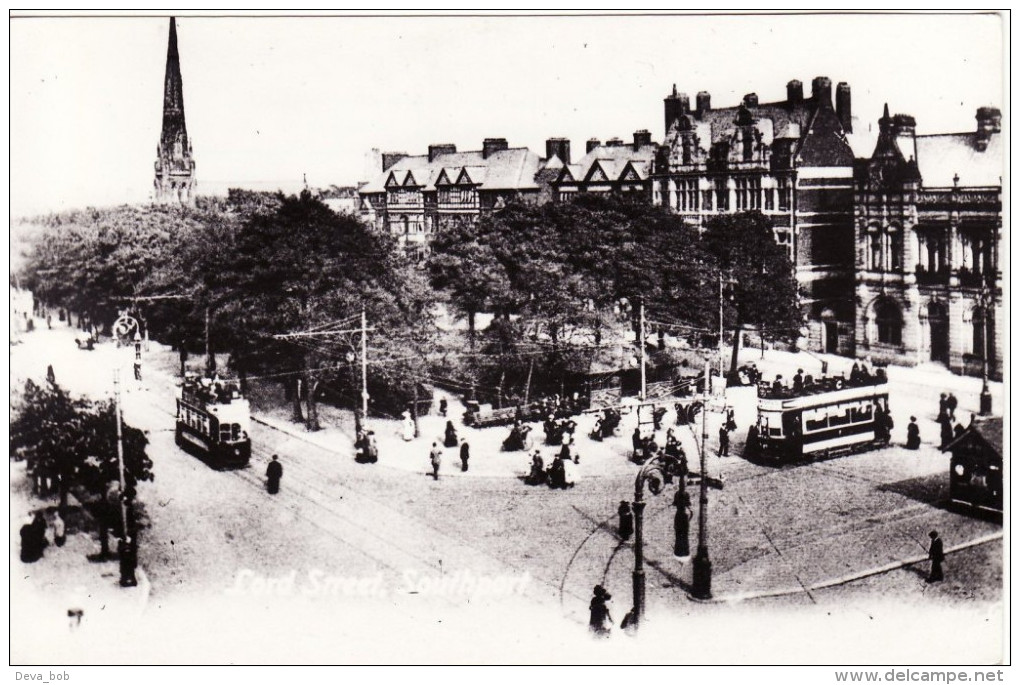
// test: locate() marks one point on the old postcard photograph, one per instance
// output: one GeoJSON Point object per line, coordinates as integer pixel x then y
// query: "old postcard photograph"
{"type": "Point", "coordinates": [519, 339]}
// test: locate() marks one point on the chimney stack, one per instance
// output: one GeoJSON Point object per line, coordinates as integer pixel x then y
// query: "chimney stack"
{"type": "Point", "coordinates": [559, 147]}
{"type": "Point", "coordinates": [441, 149]}
{"type": "Point", "coordinates": [614, 142]}
{"type": "Point", "coordinates": [794, 92]}
{"type": "Point", "coordinates": [903, 125]}
{"type": "Point", "coordinates": [843, 107]}
{"type": "Point", "coordinates": [493, 145]}
{"type": "Point", "coordinates": [989, 121]}
{"type": "Point", "coordinates": [704, 103]}
{"type": "Point", "coordinates": [592, 144]}
{"type": "Point", "coordinates": [677, 104]}
{"type": "Point", "coordinates": [821, 90]}
{"type": "Point", "coordinates": [642, 137]}
{"type": "Point", "coordinates": [751, 100]}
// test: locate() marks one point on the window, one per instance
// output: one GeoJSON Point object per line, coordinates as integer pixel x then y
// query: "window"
{"type": "Point", "coordinates": [888, 322]}
{"type": "Point", "coordinates": [224, 432]}
{"type": "Point", "coordinates": [687, 195]}
{"type": "Point", "coordinates": [895, 251]}
{"type": "Point", "coordinates": [784, 195]}
{"type": "Point", "coordinates": [875, 251]}
{"type": "Point", "coordinates": [722, 196]}
{"type": "Point", "coordinates": [770, 200]}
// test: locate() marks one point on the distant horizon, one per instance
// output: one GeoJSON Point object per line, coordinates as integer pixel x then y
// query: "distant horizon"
{"type": "Point", "coordinates": [278, 98]}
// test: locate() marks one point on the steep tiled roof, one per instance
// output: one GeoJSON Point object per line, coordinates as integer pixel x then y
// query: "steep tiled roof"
{"type": "Point", "coordinates": [510, 169]}
{"type": "Point", "coordinates": [941, 157]}
{"type": "Point", "coordinates": [613, 160]}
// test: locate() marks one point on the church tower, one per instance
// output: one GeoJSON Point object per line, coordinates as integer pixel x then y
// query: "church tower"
{"type": "Point", "coordinates": [175, 166]}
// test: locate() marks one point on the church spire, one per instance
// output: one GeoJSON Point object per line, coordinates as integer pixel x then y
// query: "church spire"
{"type": "Point", "coordinates": [175, 167]}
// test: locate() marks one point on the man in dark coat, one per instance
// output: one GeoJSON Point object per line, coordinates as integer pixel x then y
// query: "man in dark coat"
{"type": "Point", "coordinates": [798, 380]}
{"type": "Point", "coordinates": [626, 520]}
{"type": "Point", "coordinates": [943, 406]}
{"type": "Point", "coordinates": [30, 549]}
{"type": "Point", "coordinates": [946, 432]}
{"type": "Point", "coordinates": [913, 434]}
{"type": "Point", "coordinates": [682, 523]}
{"type": "Point", "coordinates": [443, 407]}
{"type": "Point", "coordinates": [599, 612]}
{"type": "Point", "coordinates": [637, 442]}
{"type": "Point", "coordinates": [557, 473]}
{"type": "Point", "coordinates": [724, 442]}
{"type": "Point", "coordinates": [937, 556]}
{"type": "Point", "coordinates": [951, 403]}
{"type": "Point", "coordinates": [465, 454]}
{"type": "Point", "coordinates": [274, 472]}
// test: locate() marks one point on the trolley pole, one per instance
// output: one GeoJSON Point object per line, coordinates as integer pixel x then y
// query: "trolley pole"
{"type": "Point", "coordinates": [702, 586]}
{"type": "Point", "coordinates": [722, 348]}
{"type": "Point", "coordinates": [641, 345]}
{"type": "Point", "coordinates": [987, 311]}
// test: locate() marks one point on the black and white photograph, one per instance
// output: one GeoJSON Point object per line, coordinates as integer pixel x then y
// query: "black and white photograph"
{"type": "Point", "coordinates": [510, 339]}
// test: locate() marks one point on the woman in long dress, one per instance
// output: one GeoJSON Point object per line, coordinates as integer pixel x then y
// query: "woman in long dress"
{"type": "Point", "coordinates": [408, 430]}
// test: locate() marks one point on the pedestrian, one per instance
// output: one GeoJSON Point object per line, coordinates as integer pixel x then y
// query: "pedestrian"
{"type": "Point", "coordinates": [557, 474]}
{"type": "Point", "coordinates": [443, 407]}
{"type": "Point", "coordinates": [724, 442]}
{"type": "Point", "coordinates": [435, 459]}
{"type": "Point", "coordinates": [450, 437]}
{"type": "Point", "coordinates": [138, 370]}
{"type": "Point", "coordinates": [913, 434]}
{"type": "Point", "coordinates": [951, 403]}
{"type": "Point", "coordinates": [943, 406]}
{"type": "Point", "coordinates": [59, 530]}
{"type": "Point", "coordinates": [30, 549]}
{"type": "Point", "coordinates": [274, 472]}
{"type": "Point", "coordinates": [599, 612]}
{"type": "Point", "coordinates": [126, 554]}
{"type": "Point", "coordinates": [637, 442]}
{"type": "Point", "coordinates": [49, 321]}
{"type": "Point", "coordinates": [50, 376]}
{"type": "Point", "coordinates": [777, 385]}
{"type": "Point", "coordinates": [958, 430]}
{"type": "Point", "coordinates": [626, 520]}
{"type": "Point", "coordinates": [946, 432]}
{"type": "Point", "coordinates": [798, 380]}
{"type": "Point", "coordinates": [682, 523]}
{"type": "Point", "coordinates": [657, 416]}
{"type": "Point", "coordinates": [465, 454]}
{"type": "Point", "coordinates": [731, 424]}
{"type": "Point", "coordinates": [408, 427]}
{"type": "Point", "coordinates": [138, 347]}
{"type": "Point", "coordinates": [937, 556]}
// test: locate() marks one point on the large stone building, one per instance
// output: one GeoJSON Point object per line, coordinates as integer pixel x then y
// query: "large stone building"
{"type": "Point", "coordinates": [928, 225]}
{"type": "Point", "coordinates": [175, 166]}
{"type": "Point", "coordinates": [791, 160]}
{"type": "Point", "coordinates": [417, 195]}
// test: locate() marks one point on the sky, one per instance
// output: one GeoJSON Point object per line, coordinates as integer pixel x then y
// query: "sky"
{"type": "Point", "coordinates": [269, 100]}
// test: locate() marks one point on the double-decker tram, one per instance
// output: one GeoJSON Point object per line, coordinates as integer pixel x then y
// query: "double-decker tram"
{"type": "Point", "coordinates": [824, 419]}
{"type": "Point", "coordinates": [213, 421]}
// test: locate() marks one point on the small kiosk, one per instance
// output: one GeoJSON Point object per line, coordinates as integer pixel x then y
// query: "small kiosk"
{"type": "Point", "coordinates": [975, 470]}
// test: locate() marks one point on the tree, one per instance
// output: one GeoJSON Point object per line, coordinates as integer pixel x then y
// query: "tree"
{"type": "Point", "coordinates": [759, 273]}
{"type": "Point", "coordinates": [305, 269]}
{"type": "Point", "coordinates": [74, 441]}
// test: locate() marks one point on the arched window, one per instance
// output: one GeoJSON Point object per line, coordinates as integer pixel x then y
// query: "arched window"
{"type": "Point", "coordinates": [888, 322]}
{"type": "Point", "coordinates": [875, 245]}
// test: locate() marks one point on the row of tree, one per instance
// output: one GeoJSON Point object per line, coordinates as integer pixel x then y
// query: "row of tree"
{"type": "Point", "coordinates": [562, 274]}
{"type": "Point", "coordinates": [237, 273]}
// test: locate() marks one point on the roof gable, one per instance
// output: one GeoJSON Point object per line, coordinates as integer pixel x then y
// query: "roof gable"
{"type": "Point", "coordinates": [443, 179]}
{"type": "Point", "coordinates": [596, 173]}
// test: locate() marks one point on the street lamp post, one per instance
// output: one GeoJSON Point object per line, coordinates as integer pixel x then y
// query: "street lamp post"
{"type": "Point", "coordinates": [986, 393]}
{"type": "Point", "coordinates": [702, 585]}
{"type": "Point", "coordinates": [653, 465]}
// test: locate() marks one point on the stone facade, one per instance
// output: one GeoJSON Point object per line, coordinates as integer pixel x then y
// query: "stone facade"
{"type": "Point", "coordinates": [792, 161]}
{"type": "Point", "coordinates": [175, 165]}
{"type": "Point", "coordinates": [928, 225]}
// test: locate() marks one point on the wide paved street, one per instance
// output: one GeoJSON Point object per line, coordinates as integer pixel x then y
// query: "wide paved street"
{"type": "Point", "coordinates": [347, 557]}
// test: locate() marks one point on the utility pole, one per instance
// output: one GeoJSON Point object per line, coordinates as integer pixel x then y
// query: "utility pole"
{"type": "Point", "coordinates": [210, 360]}
{"type": "Point", "coordinates": [364, 366]}
{"type": "Point", "coordinates": [641, 344]}
{"type": "Point", "coordinates": [722, 347]}
{"type": "Point", "coordinates": [120, 452]}
{"type": "Point", "coordinates": [702, 586]}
